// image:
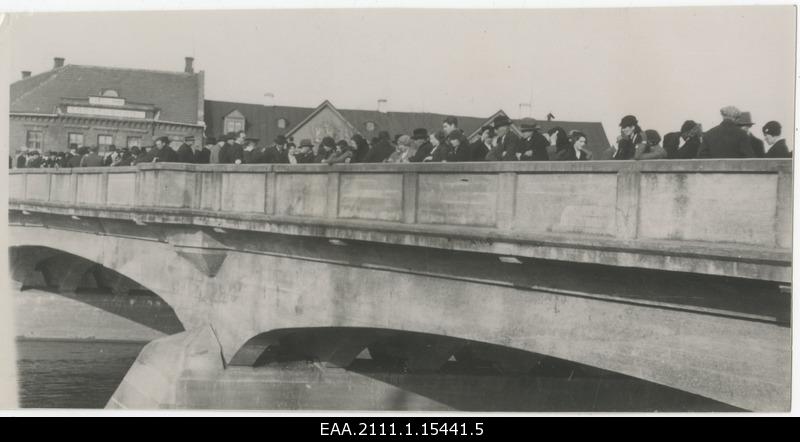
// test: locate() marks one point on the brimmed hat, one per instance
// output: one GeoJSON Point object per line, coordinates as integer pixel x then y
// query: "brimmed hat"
{"type": "Point", "coordinates": [420, 134]}
{"type": "Point", "coordinates": [501, 121]}
{"type": "Point", "coordinates": [772, 128]}
{"type": "Point", "coordinates": [744, 119]}
{"type": "Point", "coordinates": [280, 139]}
{"type": "Point", "coordinates": [628, 120]}
{"type": "Point", "coordinates": [305, 142]}
{"type": "Point", "coordinates": [164, 140]}
{"type": "Point", "coordinates": [211, 140]}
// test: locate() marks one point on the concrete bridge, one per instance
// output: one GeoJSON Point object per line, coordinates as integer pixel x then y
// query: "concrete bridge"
{"type": "Point", "coordinates": [673, 272]}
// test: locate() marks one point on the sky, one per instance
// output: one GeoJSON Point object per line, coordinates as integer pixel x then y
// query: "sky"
{"type": "Point", "coordinates": [664, 65]}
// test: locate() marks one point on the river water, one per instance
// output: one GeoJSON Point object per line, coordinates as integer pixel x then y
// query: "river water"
{"type": "Point", "coordinates": [71, 374]}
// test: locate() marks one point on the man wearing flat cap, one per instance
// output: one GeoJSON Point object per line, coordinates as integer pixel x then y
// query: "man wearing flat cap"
{"type": "Point", "coordinates": [533, 143]}
{"type": "Point", "coordinates": [745, 122]}
{"type": "Point", "coordinates": [776, 144]}
{"type": "Point", "coordinates": [727, 139]}
{"type": "Point", "coordinates": [185, 152]}
{"type": "Point", "coordinates": [507, 144]}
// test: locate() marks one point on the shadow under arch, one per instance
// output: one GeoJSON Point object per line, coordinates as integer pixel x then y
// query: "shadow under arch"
{"type": "Point", "coordinates": [86, 281]}
{"type": "Point", "coordinates": [466, 374]}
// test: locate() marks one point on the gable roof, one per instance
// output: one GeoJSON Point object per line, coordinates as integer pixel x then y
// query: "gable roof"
{"type": "Point", "coordinates": [175, 94]}
{"type": "Point", "coordinates": [325, 104]}
{"type": "Point", "coordinates": [261, 121]}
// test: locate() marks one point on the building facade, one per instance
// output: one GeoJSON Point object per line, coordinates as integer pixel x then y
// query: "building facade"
{"type": "Point", "coordinates": [102, 106]}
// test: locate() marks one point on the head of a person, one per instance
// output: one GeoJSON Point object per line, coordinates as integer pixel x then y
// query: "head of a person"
{"type": "Point", "coordinates": [383, 136]}
{"type": "Point", "coordinates": [558, 137]}
{"type": "Point", "coordinates": [221, 140]}
{"type": "Point", "coordinates": [652, 137]}
{"type": "Point", "coordinates": [501, 125]}
{"type": "Point", "coordinates": [328, 143]}
{"type": "Point", "coordinates": [230, 138]}
{"type": "Point", "coordinates": [240, 137]}
{"type": "Point", "coordinates": [744, 121]}
{"type": "Point", "coordinates": [487, 133]}
{"type": "Point", "coordinates": [112, 148]}
{"type": "Point", "coordinates": [94, 149]}
{"type": "Point", "coordinates": [73, 148]}
{"type": "Point", "coordinates": [210, 142]}
{"type": "Point", "coordinates": [772, 132]}
{"type": "Point", "coordinates": [449, 125]}
{"type": "Point", "coordinates": [527, 130]}
{"type": "Point", "coordinates": [629, 125]}
{"type": "Point", "coordinates": [342, 146]}
{"type": "Point", "coordinates": [454, 140]}
{"type": "Point", "coordinates": [689, 129]}
{"type": "Point", "coordinates": [420, 136]}
{"type": "Point", "coordinates": [404, 143]}
{"type": "Point", "coordinates": [161, 142]}
{"type": "Point", "coordinates": [305, 145]}
{"type": "Point", "coordinates": [730, 113]}
{"type": "Point", "coordinates": [578, 139]}
{"type": "Point", "coordinates": [280, 140]}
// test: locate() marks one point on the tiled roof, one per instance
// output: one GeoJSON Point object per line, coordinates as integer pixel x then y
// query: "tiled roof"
{"type": "Point", "coordinates": [175, 94]}
{"type": "Point", "coordinates": [262, 121]}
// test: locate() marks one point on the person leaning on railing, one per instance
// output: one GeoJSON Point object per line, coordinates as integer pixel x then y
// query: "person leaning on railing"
{"type": "Point", "coordinates": [651, 149]}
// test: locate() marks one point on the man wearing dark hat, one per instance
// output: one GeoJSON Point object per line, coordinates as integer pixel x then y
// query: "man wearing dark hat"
{"type": "Point", "coordinates": [745, 122]}
{"type": "Point", "coordinates": [164, 153]}
{"type": "Point", "coordinates": [229, 153]}
{"type": "Point", "coordinates": [534, 144]}
{"type": "Point", "coordinates": [147, 155]}
{"type": "Point", "coordinates": [684, 144]}
{"type": "Point", "coordinates": [726, 140]}
{"type": "Point", "coordinates": [776, 144]}
{"type": "Point", "coordinates": [185, 152]}
{"type": "Point", "coordinates": [424, 147]}
{"type": "Point", "coordinates": [451, 129]}
{"type": "Point", "coordinates": [507, 143]}
{"type": "Point", "coordinates": [251, 155]}
{"type": "Point", "coordinates": [481, 147]}
{"type": "Point", "coordinates": [630, 137]}
{"type": "Point", "coordinates": [278, 152]}
{"type": "Point", "coordinates": [203, 153]}
{"type": "Point", "coordinates": [380, 150]}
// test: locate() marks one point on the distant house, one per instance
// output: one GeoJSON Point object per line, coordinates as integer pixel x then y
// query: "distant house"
{"type": "Point", "coordinates": [267, 122]}
{"type": "Point", "coordinates": [597, 141]}
{"type": "Point", "coordinates": [101, 106]}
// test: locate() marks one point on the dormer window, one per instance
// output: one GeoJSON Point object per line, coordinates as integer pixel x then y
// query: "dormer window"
{"type": "Point", "coordinates": [370, 126]}
{"type": "Point", "coordinates": [109, 93]}
{"type": "Point", "coordinates": [234, 122]}
{"type": "Point", "coordinates": [282, 123]}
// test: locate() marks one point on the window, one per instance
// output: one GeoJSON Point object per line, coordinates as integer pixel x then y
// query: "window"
{"type": "Point", "coordinates": [282, 123]}
{"type": "Point", "coordinates": [234, 125]}
{"type": "Point", "coordinates": [110, 93]}
{"type": "Point", "coordinates": [370, 126]}
{"type": "Point", "coordinates": [35, 139]}
{"type": "Point", "coordinates": [134, 142]}
{"type": "Point", "coordinates": [104, 141]}
{"type": "Point", "coordinates": [75, 138]}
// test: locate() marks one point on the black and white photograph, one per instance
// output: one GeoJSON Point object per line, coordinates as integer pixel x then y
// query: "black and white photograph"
{"type": "Point", "coordinates": [481, 208]}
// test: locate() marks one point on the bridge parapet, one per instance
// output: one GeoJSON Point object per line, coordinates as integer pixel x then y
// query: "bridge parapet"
{"type": "Point", "coordinates": [720, 217]}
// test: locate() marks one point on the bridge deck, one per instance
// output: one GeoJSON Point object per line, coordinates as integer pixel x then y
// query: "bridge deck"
{"type": "Point", "coordinates": [719, 217]}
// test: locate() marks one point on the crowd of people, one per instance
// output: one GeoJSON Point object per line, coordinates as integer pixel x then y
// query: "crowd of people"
{"type": "Point", "coordinates": [732, 138]}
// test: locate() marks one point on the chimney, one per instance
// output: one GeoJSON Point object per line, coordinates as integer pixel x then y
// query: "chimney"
{"type": "Point", "coordinates": [382, 105]}
{"type": "Point", "coordinates": [269, 99]}
{"type": "Point", "coordinates": [58, 62]}
{"type": "Point", "coordinates": [525, 110]}
{"type": "Point", "coordinates": [26, 74]}
{"type": "Point", "coordinates": [189, 69]}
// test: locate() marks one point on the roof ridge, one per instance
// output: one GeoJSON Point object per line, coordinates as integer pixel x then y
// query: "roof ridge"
{"type": "Point", "coordinates": [154, 71]}
{"type": "Point", "coordinates": [53, 74]}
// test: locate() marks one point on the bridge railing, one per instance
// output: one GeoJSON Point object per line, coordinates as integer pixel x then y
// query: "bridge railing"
{"type": "Point", "coordinates": [734, 210]}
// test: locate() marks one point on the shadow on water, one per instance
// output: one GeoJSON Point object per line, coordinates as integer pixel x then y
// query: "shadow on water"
{"type": "Point", "coordinates": [71, 374]}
